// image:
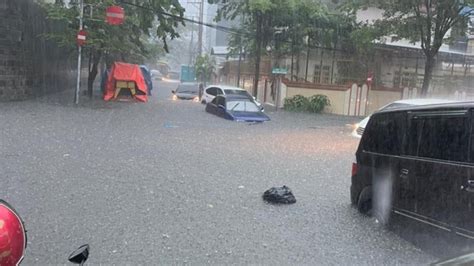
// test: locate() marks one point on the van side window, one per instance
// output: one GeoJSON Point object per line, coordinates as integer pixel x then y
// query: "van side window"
{"type": "Point", "coordinates": [384, 133]}
{"type": "Point", "coordinates": [439, 137]}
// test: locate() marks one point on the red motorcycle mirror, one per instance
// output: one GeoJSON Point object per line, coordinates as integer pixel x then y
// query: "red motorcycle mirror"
{"type": "Point", "coordinates": [12, 236]}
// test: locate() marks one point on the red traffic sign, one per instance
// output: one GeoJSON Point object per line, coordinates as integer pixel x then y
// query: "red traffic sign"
{"type": "Point", "coordinates": [81, 37]}
{"type": "Point", "coordinates": [115, 15]}
{"type": "Point", "coordinates": [370, 78]}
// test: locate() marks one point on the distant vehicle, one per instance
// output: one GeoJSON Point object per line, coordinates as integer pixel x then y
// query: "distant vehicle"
{"type": "Point", "coordinates": [187, 91]}
{"type": "Point", "coordinates": [171, 77]}
{"type": "Point", "coordinates": [156, 74]}
{"type": "Point", "coordinates": [360, 127]}
{"type": "Point", "coordinates": [212, 91]}
{"type": "Point", "coordinates": [236, 107]}
{"type": "Point", "coordinates": [147, 76]}
{"type": "Point", "coordinates": [417, 162]}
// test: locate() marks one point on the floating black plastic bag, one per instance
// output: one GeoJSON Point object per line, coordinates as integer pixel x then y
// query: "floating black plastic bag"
{"type": "Point", "coordinates": [281, 195]}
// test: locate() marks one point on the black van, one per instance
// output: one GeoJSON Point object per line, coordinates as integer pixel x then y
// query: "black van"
{"type": "Point", "coordinates": [418, 162]}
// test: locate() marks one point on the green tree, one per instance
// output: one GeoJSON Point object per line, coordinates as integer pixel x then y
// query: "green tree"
{"type": "Point", "coordinates": [426, 21]}
{"type": "Point", "coordinates": [146, 20]}
{"type": "Point", "coordinates": [256, 15]}
{"type": "Point", "coordinates": [287, 26]}
{"type": "Point", "coordinates": [204, 67]}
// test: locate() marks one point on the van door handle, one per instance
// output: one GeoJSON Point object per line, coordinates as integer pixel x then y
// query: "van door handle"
{"type": "Point", "coordinates": [404, 173]}
{"type": "Point", "coordinates": [469, 186]}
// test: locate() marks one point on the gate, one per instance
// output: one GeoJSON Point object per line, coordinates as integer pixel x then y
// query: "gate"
{"type": "Point", "coordinates": [356, 103]}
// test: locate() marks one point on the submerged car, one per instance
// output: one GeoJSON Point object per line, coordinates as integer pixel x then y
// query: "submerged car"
{"type": "Point", "coordinates": [236, 107]}
{"type": "Point", "coordinates": [360, 127]}
{"type": "Point", "coordinates": [213, 90]}
{"type": "Point", "coordinates": [187, 91]}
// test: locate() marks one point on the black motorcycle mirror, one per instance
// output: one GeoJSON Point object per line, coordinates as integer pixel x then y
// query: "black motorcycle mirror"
{"type": "Point", "coordinates": [80, 255]}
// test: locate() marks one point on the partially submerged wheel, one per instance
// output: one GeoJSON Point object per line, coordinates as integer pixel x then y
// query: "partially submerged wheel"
{"type": "Point", "coordinates": [367, 206]}
{"type": "Point", "coordinates": [364, 204]}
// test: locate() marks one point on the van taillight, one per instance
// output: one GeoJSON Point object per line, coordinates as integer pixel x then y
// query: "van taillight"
{"type": "Point", "coordinates": [354, 169]}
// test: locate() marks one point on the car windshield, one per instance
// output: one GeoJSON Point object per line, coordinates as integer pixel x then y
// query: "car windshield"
{"type": "Point", "coordinates": [242, 106]}
{"type": "Point", "coordinates": [240, 102]}
{"type": "Point", "coordinates": [188, 88]}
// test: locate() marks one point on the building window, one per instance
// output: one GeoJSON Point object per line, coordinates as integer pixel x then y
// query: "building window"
{"type": "Point", "coordinates": [406, 79]}
{"type": "Point", "coordinates": [324, 75]}
{"type": "Point", "coordinates": [316, 74]}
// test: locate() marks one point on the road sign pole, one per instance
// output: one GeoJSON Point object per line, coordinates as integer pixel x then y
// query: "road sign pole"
{"type": "Point", "coordinates": [278, 92]}
{"type": "Point", "coordinates": [79, 57]}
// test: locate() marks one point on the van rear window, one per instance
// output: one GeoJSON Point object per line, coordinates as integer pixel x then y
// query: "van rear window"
{"type": "Point", "coordinates": [384, 133]}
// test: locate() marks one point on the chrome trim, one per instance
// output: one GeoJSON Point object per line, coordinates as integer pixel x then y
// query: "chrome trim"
{"type": "Point", "coordinates": [428, 160]}
{"type": "Point", "coordinates": [421, 220]}
{"type": "Point", "coordinates": [435, 223]}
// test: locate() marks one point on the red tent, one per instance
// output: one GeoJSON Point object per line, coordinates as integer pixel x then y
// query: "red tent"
{"type": "Point", "coordinates": [125, 79]}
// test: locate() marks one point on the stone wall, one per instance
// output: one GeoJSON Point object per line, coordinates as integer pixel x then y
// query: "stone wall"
{"type": "Point", "coordinates": [30, 66]}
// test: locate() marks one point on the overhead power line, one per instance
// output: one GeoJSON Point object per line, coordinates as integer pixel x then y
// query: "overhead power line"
{"type": "Point", "coordinates": [238, 32]}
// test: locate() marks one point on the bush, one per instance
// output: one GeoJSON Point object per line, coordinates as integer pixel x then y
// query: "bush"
{"type": "Point", "coordinates": [317, 103]}
{"type": "Point", "coordinates": [313, 104]}
{"type": "Point", "coordinates": [296, 103]}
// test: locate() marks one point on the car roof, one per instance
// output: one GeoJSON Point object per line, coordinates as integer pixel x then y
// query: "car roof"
{"type": "Point", "coordinates": [448, 105]}
{"type": "Point", "coordinates": [226, 87]}
{"type": "Point", "coordinates": [424, 101]}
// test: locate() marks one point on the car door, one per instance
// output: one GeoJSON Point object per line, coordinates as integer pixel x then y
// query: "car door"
{"type": "Point", "coordinates": [210, 93]}
{"type": "Point", "coordinates": [440, 166]}
{"type": "Point", "coordinates": [220, 106]}
{"type": "Point", "coordinates": [381, 147]}
{"type": "Point", "coordinates": [465, 217]}
{"type": "Point", "coordinates": [211, 106]}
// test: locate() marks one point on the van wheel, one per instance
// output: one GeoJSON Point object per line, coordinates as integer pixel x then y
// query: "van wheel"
{"type": "Point", "coordinates": [364, 204]}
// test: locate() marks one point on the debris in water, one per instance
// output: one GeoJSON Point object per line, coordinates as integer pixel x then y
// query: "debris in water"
{"type": "Point", "coordinates": [279, 195]}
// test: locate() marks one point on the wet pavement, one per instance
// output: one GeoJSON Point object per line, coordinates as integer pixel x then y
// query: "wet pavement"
{"type": "Point", "coordinates": [167, 183]}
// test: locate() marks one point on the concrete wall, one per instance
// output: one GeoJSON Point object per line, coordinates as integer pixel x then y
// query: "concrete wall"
{"type": "Point", "coordinates": [337, 97]}
{"type": "Point", "coordinates": [29, 65]}
{"type": "Point", "coordinates": [340, 97]}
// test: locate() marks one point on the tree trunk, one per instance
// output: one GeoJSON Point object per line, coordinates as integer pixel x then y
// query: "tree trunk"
{"type": "Point", "coordinates": [298, 66]}
{"type": "Point", "coordinates": [93, 71]}
{"type": "Point", "coordinates": [258, 52]}
{"type": "Point", "coordinates": [307, 63]}
{"type": "Point", "coordinates": [292, 59]}
{"type": "Point", "coordinates": [429, 64]}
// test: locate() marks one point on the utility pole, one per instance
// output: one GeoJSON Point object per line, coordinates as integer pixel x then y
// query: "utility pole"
{"type": "Point", "coordinates": [79, 57]}
{"type": "Point", "coordinates": [191, 54]}
{"type": "Point", "coordinates": [239, 65]}
{"type": "Point", "coordinates": [201, 27]}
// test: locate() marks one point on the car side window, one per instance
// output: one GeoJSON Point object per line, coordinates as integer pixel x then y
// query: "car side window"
{"type": "Point", "coordinates": [385, 133]}
{"type": "Point", "coordinates": [212, 91]}
{"type": "Point", "coordinates": [219, 91]}
{"type": "Point", "coordinates": [220, 101]}
{"type": "Point", "coordinates": [439, 137]}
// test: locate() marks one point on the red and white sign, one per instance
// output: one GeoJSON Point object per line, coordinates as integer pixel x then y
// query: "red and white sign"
{"type": "Point", "coordinates": [81, 37]}
{"type": "Point", "coordinates": [115, 15]}
{"type": "Point", "coordinates": [370, 78]}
